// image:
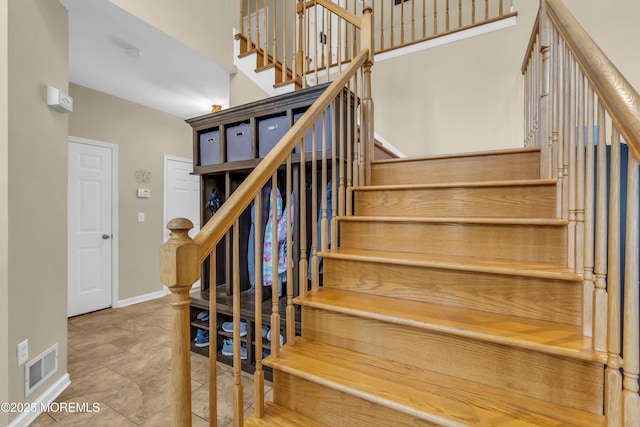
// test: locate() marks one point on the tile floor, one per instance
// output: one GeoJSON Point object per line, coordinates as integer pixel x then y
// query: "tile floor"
{"type": "Point", "coordinates": [121, 359]}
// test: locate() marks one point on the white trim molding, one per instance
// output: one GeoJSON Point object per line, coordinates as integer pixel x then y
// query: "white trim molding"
{"type": "Point", "coordinates": [42, 402]}
{"type": "Point", "coordinates": [139, 299]}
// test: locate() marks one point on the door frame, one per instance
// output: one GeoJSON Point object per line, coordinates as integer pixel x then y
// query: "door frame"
{"type": "Point", "coordinates": [114, 210]}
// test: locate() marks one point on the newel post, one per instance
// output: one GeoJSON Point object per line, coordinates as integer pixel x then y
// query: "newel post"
{"type": "Point", "coordinates": [367, 134]}
{"type": "Point", "coordinates": [178, 271]}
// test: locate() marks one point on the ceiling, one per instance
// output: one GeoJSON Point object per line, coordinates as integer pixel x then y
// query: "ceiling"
{"type": "Point", "coordinates": [166, 75]}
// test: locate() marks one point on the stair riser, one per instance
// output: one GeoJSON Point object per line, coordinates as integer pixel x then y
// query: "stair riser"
{"type": "Point", "coordinates": [497, 202]}
{"type": "Point", "coordinates": [528, 372]}
{"type": "Point", "coordinates": [495, 167]}
{"type": "Point", "coordinates": [335, 408]}
{"type": "Point", "coordinates": [524, 243]}
{"type": "Point", "coordinates": [531, 297]}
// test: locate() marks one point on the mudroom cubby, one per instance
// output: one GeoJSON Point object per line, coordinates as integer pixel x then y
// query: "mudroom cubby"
{"type": "Point", "coordinates": [227, 146]}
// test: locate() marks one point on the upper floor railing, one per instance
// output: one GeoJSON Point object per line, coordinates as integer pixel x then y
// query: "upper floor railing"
{"type": "Point", "coordinates": [311, 156]}
{"type": "Point", "coordinates": [313, 39]}
{"type": "Point", "coordinates": [585, 117]}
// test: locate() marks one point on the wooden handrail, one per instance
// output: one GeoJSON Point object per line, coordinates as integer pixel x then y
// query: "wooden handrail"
{"type": "Point", "coordinates": [221, 222]}
{"type": "Point", "coordinates": [616, 93]}
{"type": "Point", "coordinates": [337, 9]}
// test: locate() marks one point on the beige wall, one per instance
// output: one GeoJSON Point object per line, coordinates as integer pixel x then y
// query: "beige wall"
{"type": "Point", "coordinates": [143, 136]}
{"type": "Point", "coordinates": [4, 214]}
{"type": "Point", "coordinates": [204, 25]}
{"type": "Point", "coordinates": [37, 176]}
{"type": "Point", "coordinates": [467, 95]}
{"type": "Point", "coordinates": [243, 90]}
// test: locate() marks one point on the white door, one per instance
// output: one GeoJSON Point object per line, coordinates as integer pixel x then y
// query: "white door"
{"type": "Point", "coordinates": [90, 227]}
{"type": "Point", "coordinates": [181, 194]}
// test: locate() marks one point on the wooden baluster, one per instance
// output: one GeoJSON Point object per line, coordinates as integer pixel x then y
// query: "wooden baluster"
{"type": "Point", "coordinates": [381, 9]}
{"type": "Point", "coordinates": [304, 263]}
{"type": "Point", "coordinates": [284, 42]}
{"type": "Point", "coordinates": [330, 43]}
{"type": "Point", "coordinates": [290, 310]}
{"type": "Point", "coordinates": [486, 10]}
{"type": "Point", "coordinates": [546, 133]}
{"type": "Point", "coordinates": [600, 265]}
{"type": "Point", "coordinates": [631, 339]}
{"type": "Point", "coordinates": [447, 24]}
{"type": "Point", "coordinates": [401, 23]}
{"type": "Point", "coordinates": [274, 52]}
{"type": "Point", "coordinates": [459, 13]}
{"type": "Point", "coordinates": [596, 311]}
{"type": "Point", "coordinates": [350, 118]}
{"type": "Point", "coordinates": [435, 17]}
{"type": "Point", "coordinates": [358, 119]}
{"type": "Point", "coordinates": [501, 8]}
{"type": "Point", "coordinates": [340, 120]}
{"type": "Point", "coordinates": [555, 93]}
{"type": "Point", "coordinates": [258, 247]}
{"type": "Point", "coordinates": [324, 237]}
{"type": "Point", "coordinates": [566, 138]}
{"type": "Point", "coordinates": [335, 186]}
{"type": "Point", "coordinates": [367, 101]}
{"type": "Point", "coordinates": [473, 11]}
{"type": "Point", "coordinates": [265, 36]}
{"type": "Point", "coordinates": [257, 7]}
{"type": "Point", "coordinates": [424, 19]}
{"type": "Point", "coordinates": [323, 43]}
{"type": "Point", "coordinates": [275, 283]}
{"type": "Point", "coordinates": [392, 42]}
{"type": "Point", "coordinates": [579, 245]}
{"type": "Point", "coordinates": [571, 259]}
{"type": "Point", "coordinates": [238, 403]}
{"type": "Point", "coordinates": [609, 281]}
{"type": "Point", "coordinates": [300, 61]}
{"type": "Point", "coordinates": [560, 128]}
{"type": "Point", "coordinates": [179, 269]}
{"type": "Point", "coordinates": [314, 212]}
{"type": "Point", "coordinates": [413, 21]}
{"type": "Point", "coordinates": [213, 342]}
{"type": "Point", "coordinates": [316, 65]}
{"type": "Point", "coordinates": [248, 33]}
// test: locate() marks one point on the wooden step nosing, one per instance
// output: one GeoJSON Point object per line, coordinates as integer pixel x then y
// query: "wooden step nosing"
{"type": "Point", "coordinates": [357, 392]}
{"type": "Point", "coordinates": [452, 265]}
{"type": "Point", "coordinates": [463, 333]}
{"type": "Point", "coordinates": [462, 184]}
{"type": "Point", "coordinates": [553, 222]}
{"type": "Point", "coordinates": [459, 155]}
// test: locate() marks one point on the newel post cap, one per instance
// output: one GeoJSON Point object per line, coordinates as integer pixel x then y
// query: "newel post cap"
{"type": "Point", "coordinates": [179, 266]}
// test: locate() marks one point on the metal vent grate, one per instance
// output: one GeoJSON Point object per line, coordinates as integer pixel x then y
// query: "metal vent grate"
{"type": "Point", "coordinates": [40, 369]}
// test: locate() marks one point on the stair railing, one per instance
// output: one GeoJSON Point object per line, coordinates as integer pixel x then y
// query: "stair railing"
{"type": "Point", "coordinates": [585, 117]}
{"type": "Point", "coordinates": [308, 42]}
{"type": "Point", "coordinates": [337, 154]}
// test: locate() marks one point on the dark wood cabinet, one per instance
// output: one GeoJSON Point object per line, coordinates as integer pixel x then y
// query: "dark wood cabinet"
{"type": "Point", "coordinates": [227, 145]}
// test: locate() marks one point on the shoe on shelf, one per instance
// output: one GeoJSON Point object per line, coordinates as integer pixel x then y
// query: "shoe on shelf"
{"type": "Point", "coordinates": [228, 327]}
{"type": "Point", "coordinates": [227, 349]}
{"type": "Point", "coordinates": [202, 338]}
{"type": "Point", "coordinates": [203, 316]}
{"type": "Point", "coordinates": [265, 331]}
{"type": "Point", "coordinates": [268, 337]}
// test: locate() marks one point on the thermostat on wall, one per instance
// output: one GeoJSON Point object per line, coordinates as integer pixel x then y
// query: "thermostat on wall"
{"type": "Point", "coordinates": [144, 193]}
{"type": "Point", "coordinates": [59, 100]}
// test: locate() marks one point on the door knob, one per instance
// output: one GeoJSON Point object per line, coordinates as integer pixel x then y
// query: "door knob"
{"type": "Point", "coordinates": [106, 236]}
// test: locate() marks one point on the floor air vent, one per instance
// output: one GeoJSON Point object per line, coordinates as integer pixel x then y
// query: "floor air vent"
{"type": "Point", "coordinates": [40, 369]}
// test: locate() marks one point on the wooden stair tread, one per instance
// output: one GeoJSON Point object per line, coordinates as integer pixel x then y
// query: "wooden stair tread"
{"type": "Point", "coordinates": [553, 222]}
{"type": "Point", "coordinates": [276, 415]}
{"type": "Point", "coordinates": [480, 265]}
{"type": "Point", "coordinates": [430, 396]}
{"type": "Point", "coordinates": [467, 184]}
{"type": "Point", "coordinates": [459, 155]}
{"type": "Point", "coordinates": [547, 337]}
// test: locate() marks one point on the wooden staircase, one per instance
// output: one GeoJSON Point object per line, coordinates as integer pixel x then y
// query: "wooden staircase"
{"type": "Point", "coordinates": [448, 303]}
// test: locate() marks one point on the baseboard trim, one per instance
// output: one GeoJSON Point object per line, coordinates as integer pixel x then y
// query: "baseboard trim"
{"type": "Point", "coordinates": [139, 299]}
{"type": "Point", "coordinates": [46, 398]}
